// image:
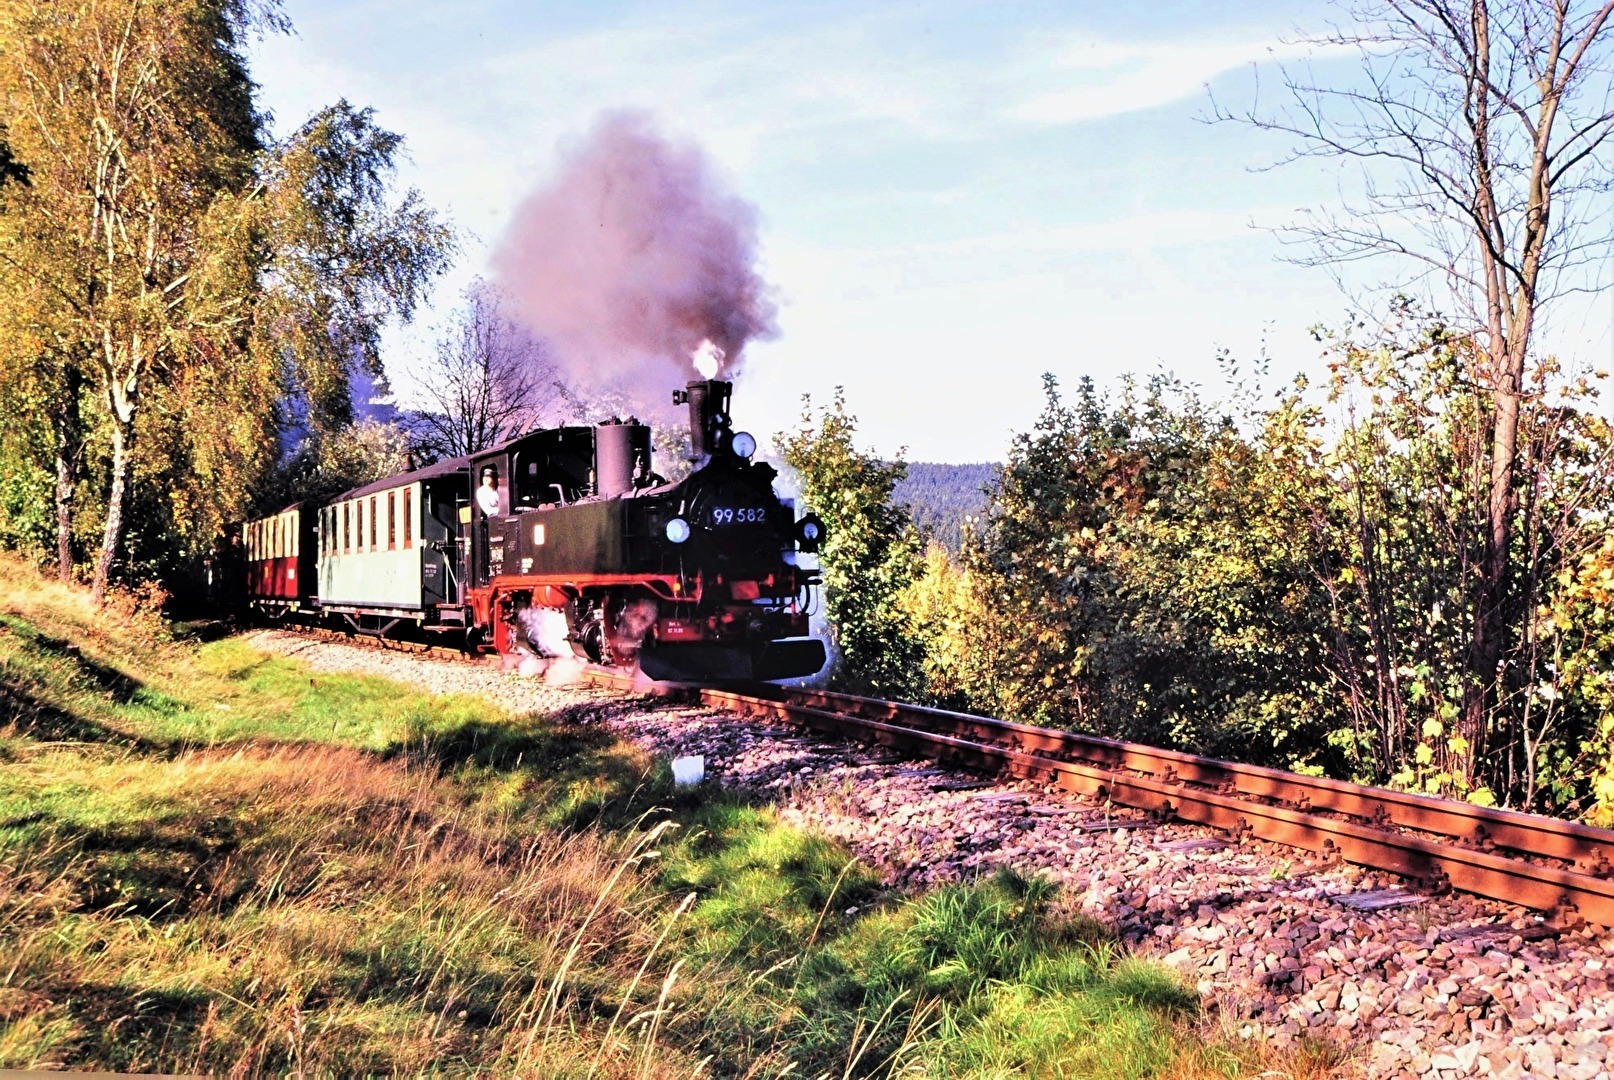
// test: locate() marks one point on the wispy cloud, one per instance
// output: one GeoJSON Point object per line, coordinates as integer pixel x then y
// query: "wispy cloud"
{"type": "Point", "coordinates": [1087, 79]}
{"type": "Point", "coordinates": [744, 77]}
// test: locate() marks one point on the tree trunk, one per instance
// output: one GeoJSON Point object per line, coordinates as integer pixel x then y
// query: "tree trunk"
{"type": "Point", "coordinates": [1491, 595]}
{"type": "Point", "coordinates": [64, 515]}
{"type": "Point", "coordinates": [68, 436]}
{"type": "Point", "coordinates": [112, 538]}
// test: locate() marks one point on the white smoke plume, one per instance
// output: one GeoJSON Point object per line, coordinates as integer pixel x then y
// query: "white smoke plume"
{"type": "Point", "coordinates": [636, 263]}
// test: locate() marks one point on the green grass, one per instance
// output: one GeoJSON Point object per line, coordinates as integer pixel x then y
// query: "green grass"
{"type": "Point", "coordinates": [212, 860]}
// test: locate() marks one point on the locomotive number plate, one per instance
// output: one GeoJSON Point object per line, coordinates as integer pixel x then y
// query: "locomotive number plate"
{"type": "Point", "coordinates": [739, 515]}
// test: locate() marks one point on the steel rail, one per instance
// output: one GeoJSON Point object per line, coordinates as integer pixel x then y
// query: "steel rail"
{"type": "Point", "coordinates": [1269, 804]}
{"type": "Point", "coordinates": [1434, 864]}
{"type": "Point", "coordinates": [1487, 828]}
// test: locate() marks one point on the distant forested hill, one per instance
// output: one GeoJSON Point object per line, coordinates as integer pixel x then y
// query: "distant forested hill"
{"type": "Point", "coordinates": [941, 496]}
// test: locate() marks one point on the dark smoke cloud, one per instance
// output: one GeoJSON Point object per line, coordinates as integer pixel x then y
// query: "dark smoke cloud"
{"type": "Point", "coordinates": [631, 258]}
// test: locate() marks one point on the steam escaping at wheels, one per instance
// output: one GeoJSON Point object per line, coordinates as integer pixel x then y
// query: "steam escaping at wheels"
{"type": "Point", "coordinates": [626, 633]}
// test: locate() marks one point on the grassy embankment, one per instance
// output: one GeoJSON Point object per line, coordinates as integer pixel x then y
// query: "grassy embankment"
{"type": "Point", "coordinates": [212, 861]}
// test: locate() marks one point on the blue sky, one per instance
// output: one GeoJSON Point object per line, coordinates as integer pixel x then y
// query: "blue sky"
{"type": "Point", "coordinates": [954, 197]}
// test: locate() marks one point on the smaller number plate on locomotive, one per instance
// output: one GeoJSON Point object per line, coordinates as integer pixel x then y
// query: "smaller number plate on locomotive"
{"type": "Point", "coordinates": [738, 515]}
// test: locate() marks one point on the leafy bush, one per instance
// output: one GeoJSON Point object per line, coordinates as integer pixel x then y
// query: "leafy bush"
{"type": "Point", "coordinates": [870, 554]}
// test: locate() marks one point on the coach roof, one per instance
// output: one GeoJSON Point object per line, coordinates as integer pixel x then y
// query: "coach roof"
{"type": "Point", "coordinates": [430, 472]}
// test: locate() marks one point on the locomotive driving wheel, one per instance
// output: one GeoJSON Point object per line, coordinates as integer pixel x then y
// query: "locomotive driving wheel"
{"type": "Point", "coordinates": [596, 642]}
{"type": "Point", "coordinates": [610, 630]}
{"type": "Point", "coordinates": [586, 618]}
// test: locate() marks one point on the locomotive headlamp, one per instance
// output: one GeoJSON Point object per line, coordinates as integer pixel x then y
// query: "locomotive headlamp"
{"type": "Point", "coordinates": [809, 533]}
{"type": "Point", "coordinates": [677, 530]}
{"type": "Point", "coordinates": [744, 444]}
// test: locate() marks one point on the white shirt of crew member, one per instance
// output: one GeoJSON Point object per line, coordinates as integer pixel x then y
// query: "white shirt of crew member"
{"type": "Point", "coordinates": [487, 496]}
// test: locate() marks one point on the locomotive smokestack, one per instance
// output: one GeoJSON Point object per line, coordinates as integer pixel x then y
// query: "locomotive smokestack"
{"type": "Point", "coordinates": [709, 422]}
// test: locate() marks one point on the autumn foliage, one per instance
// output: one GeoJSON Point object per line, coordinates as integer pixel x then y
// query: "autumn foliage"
{"type": "Point", "coordinates": [1286, 579]}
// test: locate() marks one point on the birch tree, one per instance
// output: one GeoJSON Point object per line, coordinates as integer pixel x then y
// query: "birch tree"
{"type": "Point", "coordinates": [182, 271]}
{"type": "Point", "coordinates": [131, 117]}
{"type": "Point", "coordinates": [1482, 134]}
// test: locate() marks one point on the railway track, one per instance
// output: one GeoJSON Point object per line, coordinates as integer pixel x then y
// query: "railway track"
{"type": "Point", "coordinates": [1525, 859]}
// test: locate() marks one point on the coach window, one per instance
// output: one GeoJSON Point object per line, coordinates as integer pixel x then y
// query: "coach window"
{"type": "Point", "coordinates": [392, 520]}
{"type": "Point", "coordinates": [373, 530]}
{"type": "Point", "coordinates": [347, 528]}
{"type": "Point", "coordinates": [408, 522]}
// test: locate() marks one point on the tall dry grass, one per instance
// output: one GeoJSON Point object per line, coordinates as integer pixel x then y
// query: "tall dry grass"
{"type": "Point", "coordinates": [356, 917]}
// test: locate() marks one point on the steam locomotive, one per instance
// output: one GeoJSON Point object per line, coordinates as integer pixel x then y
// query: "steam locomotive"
{"type": "Point", "coordinates": [564, 541]}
